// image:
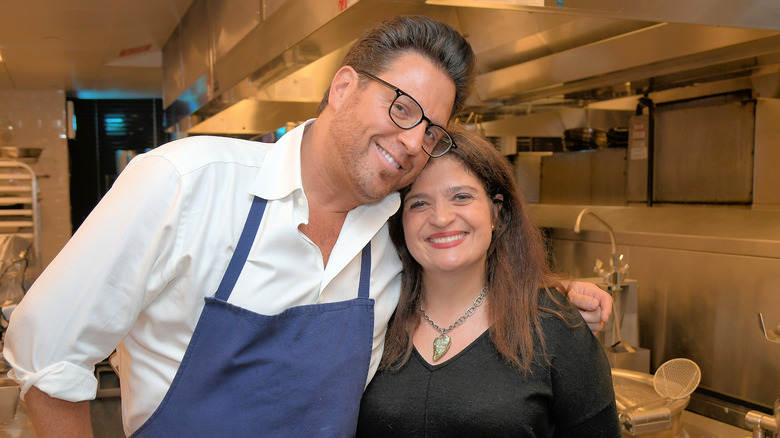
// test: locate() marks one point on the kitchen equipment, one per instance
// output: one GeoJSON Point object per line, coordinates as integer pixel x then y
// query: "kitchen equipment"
{"type": "Point", "coordinates": [580, 139]}
{"type": "Point", "coordinates": [614, 279]}
{"type": "Point", "coordinates": [633, 388]}
{"type": "Point", "coordinates": [674, 379]}
{"type": "Point", "coordinates": [617, 137]}
{"type": "Point", "coordinates": [620, 346]}
{"type": "Point", "coordinates": [677, 378]}
{"type": "Point", "coordinates": [19, 208]}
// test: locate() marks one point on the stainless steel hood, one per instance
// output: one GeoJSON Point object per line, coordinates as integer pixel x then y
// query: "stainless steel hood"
{"type": "Point", "coordinates": [533, 55]}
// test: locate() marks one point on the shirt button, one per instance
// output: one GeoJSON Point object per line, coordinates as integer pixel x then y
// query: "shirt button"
{"type": "Point", "coordinates": [300, 202]}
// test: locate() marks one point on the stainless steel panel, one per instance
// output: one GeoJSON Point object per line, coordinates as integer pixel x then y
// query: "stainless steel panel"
{"type": "Point", "coordinates": [172, 80]}
{"type": "Point", "coordinates": [608, 177]}
{"type": "Point", "coordinates": [720, 230]}
{"type": "Point", "coordinates": [767, 155]}
{"type": "Point", "coordinates": [703, 306]}
{"type": "Point", "coordinates": [647, 48]}
{"type": "Point", "coordinates": [596, 177]}
{"type": "Point", "coordinates": [196, 43]}
{"type": "Point", "coordinates": [528, 173]}
{"type": "Point", "coordinates": [301, 33]}
{"type": "Point", "coordinates": [504, 38]}
{"type": "Point", "coordinates": [542, 124]}
{"type": "Point", "coordinates": [600, 48]}
{"type": "Point", "coordinates": [559, 184]}
{"type": "Point", "coordinates": [270, 6]}
{"type": "Point", "coordinates": [704, 151]}
{"type": "Point", "coordinates": [231, 22]}
{"type": "Point", "coordinates": [703, 274]}
{"type": "Point", "coordinates": [251, 116]}
{"type": "Point", "coordinates": [739, 13]}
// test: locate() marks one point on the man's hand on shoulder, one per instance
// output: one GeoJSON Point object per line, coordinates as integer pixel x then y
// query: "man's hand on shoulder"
{"type": "Point", "coordinates": [594, 303]}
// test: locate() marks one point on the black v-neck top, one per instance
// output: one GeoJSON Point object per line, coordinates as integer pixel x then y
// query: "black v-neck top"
{"type": "Point", "coordinates": [477, 394]}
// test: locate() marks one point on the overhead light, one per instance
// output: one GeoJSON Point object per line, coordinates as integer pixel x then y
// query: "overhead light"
{"type": "Point", "coordinates": [1, 57]}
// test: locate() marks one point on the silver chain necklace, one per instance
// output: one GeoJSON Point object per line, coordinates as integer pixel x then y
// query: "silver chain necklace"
{"type": "Point", "coordinates": [442, 343]}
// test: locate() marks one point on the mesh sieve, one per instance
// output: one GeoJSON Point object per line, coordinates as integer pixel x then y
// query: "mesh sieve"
{"type": "Point", "coordinates": [677, 378]}
{"type": "Point", "coordinates": [674, 379]}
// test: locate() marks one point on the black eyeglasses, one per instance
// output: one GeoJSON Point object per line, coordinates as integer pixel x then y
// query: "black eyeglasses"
{"type": "Point", "coordinates": [406, 113]}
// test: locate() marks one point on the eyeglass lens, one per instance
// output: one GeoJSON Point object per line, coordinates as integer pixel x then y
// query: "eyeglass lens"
{"type": "Point", "coordinates": [406, 113]}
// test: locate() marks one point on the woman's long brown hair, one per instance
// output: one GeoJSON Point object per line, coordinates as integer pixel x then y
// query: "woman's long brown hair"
{"type": "Point", "coordinates": [516, 263]}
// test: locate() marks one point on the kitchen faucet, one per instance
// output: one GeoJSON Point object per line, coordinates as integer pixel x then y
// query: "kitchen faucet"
{"type": "Point", "coordinates": [615, 276]}
{"type": "Point", "coordinates": [614, 279]}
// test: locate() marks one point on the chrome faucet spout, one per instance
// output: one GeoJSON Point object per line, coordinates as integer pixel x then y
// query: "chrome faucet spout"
{"type": "Point", "coordinates": [577, 229]}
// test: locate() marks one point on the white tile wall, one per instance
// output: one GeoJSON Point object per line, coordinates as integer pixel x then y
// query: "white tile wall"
{"type": "Point", "coordinates": [38, 121]}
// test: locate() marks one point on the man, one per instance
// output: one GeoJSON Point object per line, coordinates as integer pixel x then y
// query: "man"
{"type": "Point", "coordinates": [294, 230]}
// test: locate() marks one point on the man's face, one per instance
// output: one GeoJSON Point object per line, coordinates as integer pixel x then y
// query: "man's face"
{"type": "Point", "coordinates": [377, 156]}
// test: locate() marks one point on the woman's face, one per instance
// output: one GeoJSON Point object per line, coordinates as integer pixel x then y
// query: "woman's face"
{"type": "Point", "coordinates": [448, 218]}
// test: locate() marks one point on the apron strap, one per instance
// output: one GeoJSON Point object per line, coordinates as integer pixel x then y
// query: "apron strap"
{"type": "Point", "coordinates": [246, 240]}
{"type": "Point", "coordinates": [242, 249]}
{"type": "Point", "coordinates": [365, 271]}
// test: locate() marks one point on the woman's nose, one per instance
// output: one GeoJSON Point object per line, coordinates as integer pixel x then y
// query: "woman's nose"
{"type": "Point", "coordinates": [442, 214]}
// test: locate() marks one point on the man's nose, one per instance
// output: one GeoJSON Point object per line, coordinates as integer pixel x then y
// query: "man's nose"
{"type": "Point", "coordinates": [413, 139]}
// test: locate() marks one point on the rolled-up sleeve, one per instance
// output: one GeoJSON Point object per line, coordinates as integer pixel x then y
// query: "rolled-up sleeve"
{"type": "Point", "coordinates": [90, 295]}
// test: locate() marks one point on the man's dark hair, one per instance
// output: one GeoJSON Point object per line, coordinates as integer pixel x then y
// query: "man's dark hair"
{"type": "Point", "coordinates": [438, 42]}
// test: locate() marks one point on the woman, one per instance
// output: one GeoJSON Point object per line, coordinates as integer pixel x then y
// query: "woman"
{"type": "Point", "coordinates": [483, 342]}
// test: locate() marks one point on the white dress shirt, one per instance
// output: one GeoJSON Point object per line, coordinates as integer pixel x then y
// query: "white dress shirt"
{"type": "Point", "coordinates": [136, 272]}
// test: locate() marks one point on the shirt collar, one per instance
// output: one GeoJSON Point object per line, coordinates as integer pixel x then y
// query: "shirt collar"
{"type": "Point", "coordinates": [280, 173]}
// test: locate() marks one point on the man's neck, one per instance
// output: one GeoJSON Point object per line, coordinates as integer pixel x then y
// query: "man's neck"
{"type": "Point", "coordinates": [328, 206]}
{"type": "Point", "coordinates": [323, 188]}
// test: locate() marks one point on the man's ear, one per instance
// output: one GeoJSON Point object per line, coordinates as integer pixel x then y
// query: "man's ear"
{"type": "Point", "coordinates": [340, 85]}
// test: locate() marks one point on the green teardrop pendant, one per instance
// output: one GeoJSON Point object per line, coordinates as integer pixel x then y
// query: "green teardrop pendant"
{"type": "Point", "coordinates": [440, 347]}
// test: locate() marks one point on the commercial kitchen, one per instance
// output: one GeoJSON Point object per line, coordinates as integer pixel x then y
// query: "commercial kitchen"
{"type": "Point", "coordinates": [644, 135]}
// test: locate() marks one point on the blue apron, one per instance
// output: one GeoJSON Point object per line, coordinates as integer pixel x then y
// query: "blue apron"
{"type": "Point", "coordinates": [300, 373]}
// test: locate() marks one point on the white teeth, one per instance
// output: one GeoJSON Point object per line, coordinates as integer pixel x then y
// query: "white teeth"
{"type": "Point", "coordinates": [389, 158]}
{"type": "Point", "coordinates": [448, 239]}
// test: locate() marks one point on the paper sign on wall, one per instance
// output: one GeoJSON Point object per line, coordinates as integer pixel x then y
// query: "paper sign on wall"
{"type": "Point", "coordinates": [638, 136]}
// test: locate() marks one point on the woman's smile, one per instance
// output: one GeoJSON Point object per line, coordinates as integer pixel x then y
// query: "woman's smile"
{"type": "Point", "coordinates": [448, 217]}
{"type": "Point", "coordinates": [446, 240]}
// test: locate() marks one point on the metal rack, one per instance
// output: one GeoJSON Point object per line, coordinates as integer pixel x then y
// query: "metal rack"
{"type": "Point", "coordinates": [19, 208]}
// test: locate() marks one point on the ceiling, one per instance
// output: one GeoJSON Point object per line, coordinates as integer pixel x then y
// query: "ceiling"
{"type": "Point", "coordinates": [89, 48]}
{"type": "Point", "coordinates": [113, 49]}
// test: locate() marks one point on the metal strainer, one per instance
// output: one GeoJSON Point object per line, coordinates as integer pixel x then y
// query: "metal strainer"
{"type": "Point", "coordinates": [677, 378]}
{"type": "Point", "coordinates": [674, 379]}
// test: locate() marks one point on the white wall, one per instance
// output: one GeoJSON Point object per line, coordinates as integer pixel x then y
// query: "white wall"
{"type": "Point", "coordinates": [38, 121]}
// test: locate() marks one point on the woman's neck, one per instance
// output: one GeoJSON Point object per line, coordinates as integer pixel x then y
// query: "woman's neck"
{"type": "Point", "coordinates": [445, 293]}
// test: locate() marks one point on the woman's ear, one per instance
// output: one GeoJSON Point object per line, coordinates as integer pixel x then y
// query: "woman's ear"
{"type": "Point", "coordinates": [498, 202]}
{"type": "Point", "coordinates": [339, 86]}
